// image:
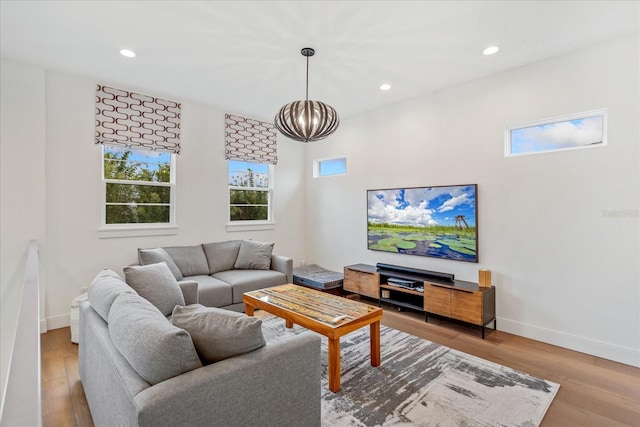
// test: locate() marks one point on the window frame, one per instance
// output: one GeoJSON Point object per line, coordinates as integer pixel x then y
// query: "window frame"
{"type": "Point", "coordinates": [138, 229]}
{"type": "Point", "coordinates": [257, 224]}
{"type": "Point", "coordinates": [317, 166]}
{"type": "Point", "coordinates": [602, 112]}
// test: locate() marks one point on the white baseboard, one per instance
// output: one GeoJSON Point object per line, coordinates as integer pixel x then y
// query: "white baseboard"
{"type": "Point", "coordinates": [628, 356]}
{"type": "Point", "coordinates": [57, 322]}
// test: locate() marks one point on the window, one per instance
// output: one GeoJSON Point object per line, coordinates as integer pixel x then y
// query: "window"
{"type": "Point", "coordinates": [329, 167]}
{"type": "Point", "coordinates": [139, 186]}
{"type": "Point", "coordinates": [250, 191]}
{"type": "Point", "coordinates": [582, 130]}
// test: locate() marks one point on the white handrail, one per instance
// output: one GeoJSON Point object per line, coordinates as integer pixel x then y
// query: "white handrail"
{"type": "Point", "coordinates": [22, 399]}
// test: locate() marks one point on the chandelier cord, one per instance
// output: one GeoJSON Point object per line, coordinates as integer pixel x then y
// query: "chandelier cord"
{"type": "Point", "coordinates": [307, 78]}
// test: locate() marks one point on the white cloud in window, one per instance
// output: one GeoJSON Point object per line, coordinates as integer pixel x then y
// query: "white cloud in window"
{"type": "Point", "coordinates": [553, 136]}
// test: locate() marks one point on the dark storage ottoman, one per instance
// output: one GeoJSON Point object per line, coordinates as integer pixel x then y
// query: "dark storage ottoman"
{"type": "Point", "coordinates": [316, 277]}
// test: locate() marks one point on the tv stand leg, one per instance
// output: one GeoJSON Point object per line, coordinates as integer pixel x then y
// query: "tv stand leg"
{"type": "Point", "coordinates": [495, 326]}
{"type": "Point", "coordinates": [426, 317]}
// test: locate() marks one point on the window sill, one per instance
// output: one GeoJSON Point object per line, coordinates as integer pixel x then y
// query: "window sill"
{"type": "Point", "coordinates": [250, 226]}
{"type": "Point", "coordinates": [109, 232]}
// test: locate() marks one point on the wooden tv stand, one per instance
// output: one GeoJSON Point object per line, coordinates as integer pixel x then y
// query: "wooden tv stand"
{"type": "Point", "coordinates": [436, 293]}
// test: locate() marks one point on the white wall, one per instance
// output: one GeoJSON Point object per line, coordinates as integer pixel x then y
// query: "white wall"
{"type": "Point", "coordinates": [22, 189]}
{"type": "Point", "coordinates": [566, 271]}
{"type": "Point", "coordinates": [73, 253]}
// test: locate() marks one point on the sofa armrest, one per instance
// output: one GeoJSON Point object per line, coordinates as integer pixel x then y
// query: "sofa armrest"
{"type": "Point", "coordinates": [284, 265]}
{"type": "Point", "coordinates": [243, 390]}
{"type": "Point", "coordinates": [189, 290]}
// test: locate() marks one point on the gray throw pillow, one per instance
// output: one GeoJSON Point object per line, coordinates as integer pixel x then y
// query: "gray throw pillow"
{"type": "Point", "coordinates": [156, 283]}
{"type": "Point", "coordinates": [221, 256]}
{"type": "Point", "coordinates": [154, 256]}
{"type": "Point", "coordinates": [219, 334]}
{"type": "Point", "coordinates": [254, 255]}
{"type": "Point", "coordinates": [154, 348]}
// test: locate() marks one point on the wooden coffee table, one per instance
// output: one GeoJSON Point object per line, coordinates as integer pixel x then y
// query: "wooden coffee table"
{"type": "Point", "coordinates": [326, 314]}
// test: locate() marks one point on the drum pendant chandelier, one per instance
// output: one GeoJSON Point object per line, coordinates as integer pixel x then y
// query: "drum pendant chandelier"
{"type": "Point", "coordinates": [307, 121]}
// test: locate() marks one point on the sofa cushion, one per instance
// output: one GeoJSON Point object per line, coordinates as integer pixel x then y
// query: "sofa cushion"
{"type": "Point", "coordinates": [155, 348]}
{"type": "Point", "coordinates": [190, 259]}
{"type": "Point", "coordinates": [221, 256]}
{"type": "Point", "coordinates": [156, 283]}
{"type": "Point", "coordinates": [242, 281]}
{"type": "Point", "coordinates": [189, 289]}
{"type": "Point", "coordinates": [103, 291]}
{"type": "Point", "coordinates": [213, 292]}
{"type": "Point", "coordinates": [154, 256]}
{"type": "Point", "coordinates": [219, 334]}
{"type": "Point", "coordinates": [254, 255]}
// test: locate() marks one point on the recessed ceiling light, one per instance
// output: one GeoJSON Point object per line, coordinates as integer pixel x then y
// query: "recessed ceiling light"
{"type": "Point", "coordinates": [128, 53]}
{"type": "Point", "coordinates": [385, 86]}
{"type": "Point", "coordinates": [491, 50]}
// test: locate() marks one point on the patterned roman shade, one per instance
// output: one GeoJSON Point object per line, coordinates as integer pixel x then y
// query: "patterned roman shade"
{"type": "Point", "coordinates": [250, 140]}
{"type": "Point", "coordinates": [141, 122]}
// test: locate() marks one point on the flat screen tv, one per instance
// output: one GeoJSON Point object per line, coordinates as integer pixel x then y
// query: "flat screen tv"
{"type": "Point", "coordinates": [438, 221]}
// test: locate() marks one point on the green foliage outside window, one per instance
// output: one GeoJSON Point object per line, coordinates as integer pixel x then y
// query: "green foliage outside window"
{"type": "Point", "coordinates": [137, 202]}
{"type": "Point", "coordinates": [252, 203]}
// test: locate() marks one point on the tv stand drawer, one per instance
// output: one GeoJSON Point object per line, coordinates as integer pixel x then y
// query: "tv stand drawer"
{"type": "Point", "coordinates": [437, 300]}
{"type": "Point", "coordinates": [362, 282]}
{"type": "Point", "coordinates": [476, 307]}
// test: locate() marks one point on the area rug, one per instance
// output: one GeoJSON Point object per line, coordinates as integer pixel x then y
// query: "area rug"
{"type": "Point", "coordinates": [421, 383]}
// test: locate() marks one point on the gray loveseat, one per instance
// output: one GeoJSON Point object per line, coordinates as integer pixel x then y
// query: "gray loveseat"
{"type": "Point", "coordinates": [224, 270]}
{"type": "Point", "coordinates": [137, 369]}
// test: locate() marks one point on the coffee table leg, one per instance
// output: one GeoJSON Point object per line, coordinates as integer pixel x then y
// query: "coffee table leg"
{"type": "Point", "coordinates": [374, 339]}
{"type": "Point", "coordinates": [248, 309]}
{"type": "Point", "coordinates": [288, 323]}
{"type": "Point", "coordinates": [334, 364]}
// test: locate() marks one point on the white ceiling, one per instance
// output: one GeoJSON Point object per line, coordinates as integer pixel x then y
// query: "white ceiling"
{"type": "Point", "coordinates": [244, 56]}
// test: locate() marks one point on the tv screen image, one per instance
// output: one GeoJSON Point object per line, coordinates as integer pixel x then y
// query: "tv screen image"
{"type": "Point", "coordinates": [439, 221]}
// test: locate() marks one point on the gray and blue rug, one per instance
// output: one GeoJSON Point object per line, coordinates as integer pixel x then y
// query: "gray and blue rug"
{"type": "Point", "coordinates": [421, 383]}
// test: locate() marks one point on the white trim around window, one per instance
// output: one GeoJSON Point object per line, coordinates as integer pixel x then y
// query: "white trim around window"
{"type": "Point", "coordinates": [138, 229]}
{"type": "Point", "coordinates": [333, 166]}
{"type": "Point", "coordinates": [109, 232]}
{"type": "Point", "coordinates": [252, 225]}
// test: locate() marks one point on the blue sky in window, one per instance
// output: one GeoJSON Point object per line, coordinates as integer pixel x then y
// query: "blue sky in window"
{"type": "Point", "coordinates": [237, 165]}
{"type": "Point", "coordinates": [332, 167]}
{"type": "Point", "coordinates": [240, 168]}
{"type": "Point", "coordinates": [151, 158]}
{"type": "Point", "coordinates": [554, 136]}
{"type": "Point", "coordinates": [422, 206]}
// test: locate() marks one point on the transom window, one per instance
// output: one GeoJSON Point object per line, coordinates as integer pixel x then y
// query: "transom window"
{"type": "Point", "coordinates": [570, 132]}
{"type": "Point", "coordinates": [250, 191]}
{"type": "Point", "coordinates": [329, 167]}
{"type": "Point", "coordinates": [139, 186]}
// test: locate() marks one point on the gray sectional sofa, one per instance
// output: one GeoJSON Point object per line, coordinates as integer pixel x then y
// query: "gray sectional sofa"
{"type": "Point", "coordinates": [139, 369]}
{"type": "Point", "coordinates": [224, 270]}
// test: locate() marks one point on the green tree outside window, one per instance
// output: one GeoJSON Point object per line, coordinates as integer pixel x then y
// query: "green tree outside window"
{"type": "Point", "coordinates": [249, 191]}
{"type": "Point", "coordinates": [137, 186]}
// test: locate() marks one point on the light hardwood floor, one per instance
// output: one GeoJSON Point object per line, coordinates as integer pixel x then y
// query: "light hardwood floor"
{"type": "Point", "coordinates": [593, 391]}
